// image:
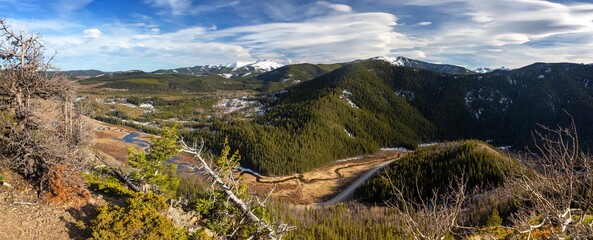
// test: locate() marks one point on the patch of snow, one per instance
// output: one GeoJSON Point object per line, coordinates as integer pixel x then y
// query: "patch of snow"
{"type": "Point", "coordinates": [232, 105]}
{"type": "Point", "coordinates": [483, 70]}
{"type": "Point", "coordinates": [226, 75]}
{"type": "Point", "coordinates": [511, 81]}
{"type": "Point", "coordinates": [478, 113]}
{"type": "Point", "coordinates": [349, 159]}
{"type": "Point", "coordinates": [504, 148]}
{"type": "Point", "coordinates": [242, 169]}
{"type": "Point", "coordinates": [346, 95]}
{"type": "Point", "coordinates": [399, 149]}
{"type": "Point", "coordinates": [265, 65]}
{"type": "Point", "coordinates": [540, 76]}
{"type": "Point", "coordinates": [393, 60]}
{"type": "Point", "coordinates": [428, 144]}
{"type": "Point", "coordinates": [408, 95]}
{"type": "Point", "coordinates": [488, 70]}
{"type": "Point", "coordinates": [78, 99]}
{"type": "Point", "coordinates": [260, 65]}
{"type": "Point", "coordinates": [238, 64]}
{"type": "Point", "coordinates": [147, 105]}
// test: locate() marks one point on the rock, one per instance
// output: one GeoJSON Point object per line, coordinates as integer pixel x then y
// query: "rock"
{"type": "Point", "coordinates": [193, 220]}
{"type": "Point", "coordinates": [5, 184]}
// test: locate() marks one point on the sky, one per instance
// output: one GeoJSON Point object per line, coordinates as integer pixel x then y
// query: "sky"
{"type": "Point", "coordinates": [113, 35]}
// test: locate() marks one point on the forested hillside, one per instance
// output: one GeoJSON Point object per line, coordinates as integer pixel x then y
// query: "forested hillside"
{"type": "Point", "coordinates": [434, 168]}
{"type": "Point", "coordinates": [504, 106]}
{"type": "Point", "coordinates": [344, 113]}
{"type": "Point", "coordinates": [371, 104]}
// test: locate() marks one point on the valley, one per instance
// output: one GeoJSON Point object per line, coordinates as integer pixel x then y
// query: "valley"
{"type": "Point", "coordinates": [308, 120]}
{"type": "Point", "coordinates": [309, 188]}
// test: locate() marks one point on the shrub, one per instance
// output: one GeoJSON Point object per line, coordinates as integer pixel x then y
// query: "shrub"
{"type": "Point", "coordinates": [108, 185]}
{"type": "Point", "coordinates": [141, 218]}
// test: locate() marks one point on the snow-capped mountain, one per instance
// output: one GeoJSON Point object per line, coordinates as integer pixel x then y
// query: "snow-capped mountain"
{"type": "Point", "coordinates": [487, 69]}
{"type": "Point", "coordinates": [396, 61]}
{"type": "Point", "coordinates": [262, 65]}
{"type": "Point", "coordinates": [235, 69]}
{"type": "Point", "coordinates": [407, 62]}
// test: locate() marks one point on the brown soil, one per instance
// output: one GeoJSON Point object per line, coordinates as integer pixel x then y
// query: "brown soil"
{"type": "Point", "coordinates": [24, 216]}
{"type": "Point", "coordinates": [318, 185]}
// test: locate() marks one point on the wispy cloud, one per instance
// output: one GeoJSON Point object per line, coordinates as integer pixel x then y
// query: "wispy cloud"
{"type": "Point", "coordinates": [465, 32]}
{"type": "Point", "coordinates": [336, 7]}
{"type": "Point", "coordinates": [72, 5]}
{"type": "Point", "coordinates": [176, 7]}
{"type": "Point", "coordinates": [91, 33]}
{"type": "Point", "coordinates": [186, 7]}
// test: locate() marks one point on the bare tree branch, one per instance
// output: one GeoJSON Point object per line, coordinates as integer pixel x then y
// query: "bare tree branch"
{"type": "Point", "coordinates": [273, 232]}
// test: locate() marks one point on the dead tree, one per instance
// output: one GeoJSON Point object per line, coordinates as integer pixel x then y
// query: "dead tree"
{"type": "Point", "coordinates": [223, 179]}
{"type": "Point", "coordinates": [38, 119]}
{"type": "Point", "coordinates": [558, 187]}
{"type": "Point", "coordinates": [434, 218]}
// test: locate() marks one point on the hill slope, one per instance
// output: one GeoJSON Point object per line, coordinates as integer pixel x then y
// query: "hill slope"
{"type": "Point", "coordinates": [371, 104]}
{"type": "Point", "coordinates": [347, 112]}
{"type": "Point", "coordinates": [433, 168]}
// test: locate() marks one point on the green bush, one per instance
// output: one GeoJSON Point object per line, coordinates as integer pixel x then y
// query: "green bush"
{"type": "Point", "coordinates": [108, 185]}
{"type": "Point", "coordinates": [141, 218]}
{"type": "Point", "coordinates": [153, 170]}
{"type": "Point", "coordinates": [494, 220]}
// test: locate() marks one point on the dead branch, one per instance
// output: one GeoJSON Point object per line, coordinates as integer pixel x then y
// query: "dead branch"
{"type": "Point", "coordinates": [558, 186]}
{"type": "Point", "coordinates": [433, 218]}
{"type": "Point", "coordinates": [274, 232]}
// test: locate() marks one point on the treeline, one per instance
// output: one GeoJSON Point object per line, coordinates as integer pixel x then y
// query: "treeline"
{"type": "Point", "coordinates": [342, 221]}
{"type": "Point", "coordinates": [434, 168]}
{"type": "Point", "coordinates": [315, 123]}
{"type": "Point", "coordinates": [158, 83]}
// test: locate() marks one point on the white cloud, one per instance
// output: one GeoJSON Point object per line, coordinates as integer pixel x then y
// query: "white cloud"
{"type": "Point", "coordinates": [329, 38]}
{"type": "Point", "coordinates": [474, 33]}
{"type": "Point", "coordinates": [91, 33]}
{"type": "Point", "coordinates": [336, 7]}
{"type": "Point", "coordinates": [177, 7]}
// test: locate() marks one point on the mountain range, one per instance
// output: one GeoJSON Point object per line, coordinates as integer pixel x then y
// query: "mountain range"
{"type": "Point", "coordinates": [313, 114]}
{"type": "Point", "coordinates": [254, 68]}
{"type": "Point", "coordinates": [363, 106]}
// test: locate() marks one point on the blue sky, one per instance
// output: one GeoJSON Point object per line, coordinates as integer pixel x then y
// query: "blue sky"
{"type": "Point", "coordinates": [148, 35]}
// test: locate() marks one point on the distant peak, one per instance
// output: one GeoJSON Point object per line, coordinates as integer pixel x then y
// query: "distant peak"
{"type": "Point", "coordinates": [487, 69]}
{"type": "Point", "coordinates": [396, 61]}
{"type": "Point", "coordinates": [259, 64]}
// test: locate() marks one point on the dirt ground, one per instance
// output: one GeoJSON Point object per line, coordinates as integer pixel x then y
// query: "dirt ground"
{"type": "Point", "coordinates": [320, 184]}
{"type": "Point", "coordinates": [24, 216]}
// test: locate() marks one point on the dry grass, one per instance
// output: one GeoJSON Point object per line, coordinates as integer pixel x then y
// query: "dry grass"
{"type": "Point", "coordinates": [320, 184]}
